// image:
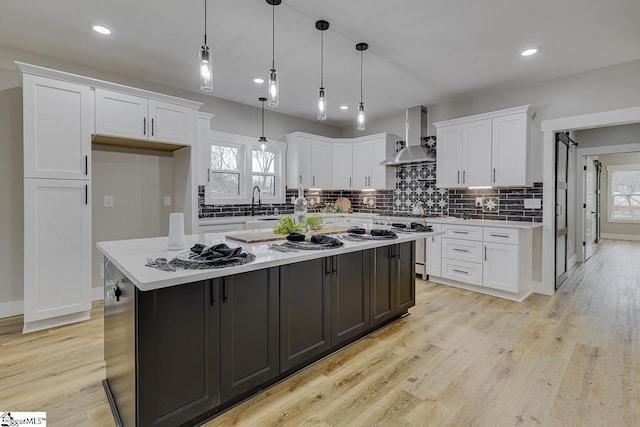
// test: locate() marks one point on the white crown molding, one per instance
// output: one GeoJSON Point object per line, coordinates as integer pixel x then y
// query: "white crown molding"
{"type": "Point", "coordinates": [483, 116]}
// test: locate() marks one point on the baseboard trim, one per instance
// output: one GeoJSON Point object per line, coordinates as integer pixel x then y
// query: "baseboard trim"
{"type": "Point", "coordinates": [517, 297]}
{"type": "Point", "coordinates": [11, 308]}
{"type": "Point", "coordinates": [40, 325]}
{"type": "Point", "coordinates": [572, 261]}
{"type": "Point", "coordinates": [619, 236]}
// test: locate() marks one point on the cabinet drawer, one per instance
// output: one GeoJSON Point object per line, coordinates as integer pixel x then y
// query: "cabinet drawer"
{"type": "Point", "coordinates": [501, 235]}
{"type": "Point", "coordinates": [463, 250]}
{"type": "Point", "coordinates": [462, 271]}
{"type": "Point", "coordinates": [463, 232]}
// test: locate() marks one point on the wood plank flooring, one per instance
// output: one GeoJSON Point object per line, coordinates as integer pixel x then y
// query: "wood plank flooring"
{"type": "Point", "coordinates": [460, 359]}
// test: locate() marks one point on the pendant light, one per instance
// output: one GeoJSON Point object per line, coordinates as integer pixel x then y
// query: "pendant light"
{"type": "Point", "coordinates": [360, 123]}
{"type": "Point", "coordinates": [274, 83]}
{"type": "Point", "coordinates": [262, 139]}
{"type": "Point", "coordinates": [206, 65]}
{"type": "Point", "coordinates": [322, 100]}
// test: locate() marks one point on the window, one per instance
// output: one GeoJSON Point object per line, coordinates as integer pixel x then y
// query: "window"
{"type": "Point", "coordinates": [263, 171]}
{"type": "Point", "coordinates": [624, 193]}
{"type": "Point", "coordinates": [235, 164]}
{"type": "Point", "coordinates": [226, 170]}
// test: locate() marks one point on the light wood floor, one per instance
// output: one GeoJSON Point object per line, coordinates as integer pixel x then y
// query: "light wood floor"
{"type": "Point", "coordinates": [460, 359]}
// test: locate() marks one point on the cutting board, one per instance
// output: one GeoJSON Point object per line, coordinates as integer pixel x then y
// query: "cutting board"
{"type": "Point", "coordinates": [344, 203]}
{"type": "Point", "coordinates": [270, 236]}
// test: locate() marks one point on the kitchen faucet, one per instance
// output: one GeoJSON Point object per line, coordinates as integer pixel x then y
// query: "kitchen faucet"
{"type": "Point", "coordinates": [253, 200]}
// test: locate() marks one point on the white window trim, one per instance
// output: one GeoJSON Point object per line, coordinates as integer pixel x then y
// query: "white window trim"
{"type": "Point", "coordinates": [610, 170]}
{"type": "Point", "coordinates": [247, 144]}
{"type": "Point", "coordinates": [279, 148]}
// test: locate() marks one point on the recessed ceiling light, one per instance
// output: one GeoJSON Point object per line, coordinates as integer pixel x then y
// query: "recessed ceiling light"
{"type": "Point", "coordinates": [101, 29]}
{"type": "Point", "coordinates": [344, 107]}
{"type": "Point", "coordinates": [529, 51]}
{"type": "Point", "coordinates": [258, 81]}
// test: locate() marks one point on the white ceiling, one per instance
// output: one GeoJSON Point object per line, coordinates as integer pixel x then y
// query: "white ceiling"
{"type": "Point", "coordinates": [421, 51]}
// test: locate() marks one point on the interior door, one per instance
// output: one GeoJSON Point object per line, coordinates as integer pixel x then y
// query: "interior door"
{"type": "Point", "coordinates": [561, 225]}
{"type": "Point", "coordinates": [589, 210]}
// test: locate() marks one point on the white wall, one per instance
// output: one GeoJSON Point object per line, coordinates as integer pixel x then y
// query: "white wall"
{"type": "Point", "coordinates": [11, 202]}
{"type": "Point", "coordinates": [609, 135]}
{"type": "Point", "coordinates": [617, 229]}
{"type": "Point", "coordinates": [138, 180]}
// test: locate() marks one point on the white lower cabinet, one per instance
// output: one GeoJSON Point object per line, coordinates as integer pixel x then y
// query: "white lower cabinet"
{"type": "Point", "coordinates": [433, 248]}
{"type": "Point", "coordinates": [57, 252]}
{"type": "Point", "coordinates": [493, 258]}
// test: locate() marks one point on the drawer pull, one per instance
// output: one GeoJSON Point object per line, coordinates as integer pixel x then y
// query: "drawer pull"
{"type": "Point", "coordinates": [461, 271]}
{"type": "Point", "coordinates": [460, 232]}
{"type": "Point", "coordinates": [499, 235]}
{"type": "Point", "coordinates": [460, 250]}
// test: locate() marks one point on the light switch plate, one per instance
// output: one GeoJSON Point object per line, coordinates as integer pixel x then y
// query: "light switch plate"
{"type": "Point", "coordinates": [108, 201]}
{"type": "Point", "coordinates": [167, 200]}
{"type": "Point", "coordinates": [532, 203]}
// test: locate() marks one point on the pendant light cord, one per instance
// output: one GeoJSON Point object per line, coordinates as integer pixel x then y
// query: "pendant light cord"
{"type": "Point", "coordinates": [262, 119]}
{"type": "Point", "coordinates": [360, 76]}
{"type": "Point", "coordinates": [322, 59]}
{"type": "Point", "coordinates": [273, 36]}
{"type": "Point", "coordinates": [205, 22]}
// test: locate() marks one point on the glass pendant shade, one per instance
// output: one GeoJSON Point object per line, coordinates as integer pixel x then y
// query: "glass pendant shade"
{"type": "Point", "coordinates": [361, 119]}
{"type": "Point", "coordinates": [322, 105]}
{"type": "Point", "coordinates": [274, 90]}
{"type": "Point", "coordinates": [206, 69]}
{"type": "Point", "coordinates": [263, 143]}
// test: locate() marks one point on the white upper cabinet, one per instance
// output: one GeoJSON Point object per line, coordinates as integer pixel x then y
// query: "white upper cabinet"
{"type": "Point", "coordinates": [321, 164]}
{"type": "Point", "coordinates": [449, 156]}
{"type": "Point", "coordinates": [170, 123]}
{"type": "Point", "coordinates": [510, 149]}
{"type": "Point", "coordinates": [361, 164]}
{"type": "Point", "coordinates": [490, 149]}
{"type": "Point", "coordinates": [127, 116]}
{"type": "Point", "coordinates": [476, 153]}
{"type": "Point", "coordinates": [57, 128]}
{"type": "Point", "coordinates": [342, 165]}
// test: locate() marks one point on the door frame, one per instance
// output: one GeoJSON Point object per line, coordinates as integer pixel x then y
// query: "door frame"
{"type": "Point", "coordinates": [549, 128]}
{"type": "Point", "coordinates": [582, 153]}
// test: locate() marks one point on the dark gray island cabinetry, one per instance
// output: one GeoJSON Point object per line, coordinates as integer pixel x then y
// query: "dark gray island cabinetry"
{"type": "Point", "coordinates": [180, 354]}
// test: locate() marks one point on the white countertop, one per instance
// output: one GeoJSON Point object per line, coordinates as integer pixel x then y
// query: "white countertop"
{"type": "Point", "coordinates": [130, 257]}
{"type": "Point", "coordinates": [387, 218]}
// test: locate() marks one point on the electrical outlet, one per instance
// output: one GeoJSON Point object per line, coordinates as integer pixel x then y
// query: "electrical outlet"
{"type": "Point", "coordinates": [108, 201]}
{"type": "Point", "coordinates": [532, 203]}
{"type": "Point", "coordinates": [478, 202]}
{"type": "Point", "coordinates": [167, 200]}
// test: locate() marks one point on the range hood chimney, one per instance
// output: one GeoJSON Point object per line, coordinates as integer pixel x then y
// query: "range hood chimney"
{"type": "Point", "coordinates": [416, 130]}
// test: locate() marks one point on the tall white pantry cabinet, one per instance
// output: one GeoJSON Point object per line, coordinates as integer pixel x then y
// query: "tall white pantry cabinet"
{"type": "Point", "coordinates": [57, 228]}
{"type": "Point", "coordinates": [62, 114]}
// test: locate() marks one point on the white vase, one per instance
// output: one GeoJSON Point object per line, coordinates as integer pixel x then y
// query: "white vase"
{"type": "Point", "coordinates": [176, 240]}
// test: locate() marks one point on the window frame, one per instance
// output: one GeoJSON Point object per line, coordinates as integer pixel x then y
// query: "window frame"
{"type": "Point", "coordinates": [247, 144]}
{"type": "Point", "coordinates": [610, 196]}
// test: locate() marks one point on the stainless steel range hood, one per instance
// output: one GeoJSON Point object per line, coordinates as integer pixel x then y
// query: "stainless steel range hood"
{"type": "Point", "coordinates": [416, 130]}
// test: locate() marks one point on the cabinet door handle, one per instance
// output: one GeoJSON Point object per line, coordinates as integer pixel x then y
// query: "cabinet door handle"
{"type": "Point", "coordinates": [459, 232]}
{"type": "Point", "coordinates": [212, 299]}
{"type": "Point", "coordinates": [144, 125]}
{"type": "Point", "coordinates": [460, 250]}
{"type": "Point", "coordinates": [433, 239]}
{"type": "Point", "coordinates": [86, 194]}
{"type": "Point", "coordinates": [152, 126]}
{"type": "Point", "coordinates": [334, 265]}
{"type": "Point", "coordinates": [327, 267]}
{"type": "Point", "coordinates": [458, 177]}
{"type": "Point", "coordinates": [498, 235]}
{"type": "Point", "coordinates": [300, 179]}
{"type": "Point", "coordinates": [461, 271]}
{"type": "Point", "coordinates": [86, 165]}
{"type": "Point", "coordinates": [464, 176]}
{"type": "Point", "coordinates": [349, 182]}
{"type": "Point", "coordinates": [485, 253]}
{"type": "Point", "coordinates": [494, 174]}
{"type": "Point", "coordinates": [225, 292]}
{"type": "Point", "coordinates": [313, 180]}
{"type": "Point", "coordinates": [209, 175]}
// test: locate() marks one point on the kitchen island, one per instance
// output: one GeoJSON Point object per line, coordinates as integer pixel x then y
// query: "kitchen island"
{"type": "Point", "coordinates": [180, 347]}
